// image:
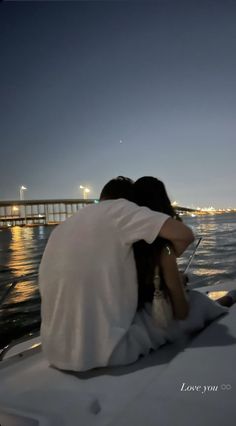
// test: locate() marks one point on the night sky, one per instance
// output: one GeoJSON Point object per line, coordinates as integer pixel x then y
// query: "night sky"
{"type": "Point", "coordinates": [92, 90]}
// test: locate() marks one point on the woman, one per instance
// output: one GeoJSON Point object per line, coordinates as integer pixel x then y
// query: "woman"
{"type": "Point", "coordinates": [166, 312]}
{"type": "Point", "coordinates": [159, 282]}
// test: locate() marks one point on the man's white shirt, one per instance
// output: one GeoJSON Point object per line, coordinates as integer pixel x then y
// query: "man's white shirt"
{"type": "Point", "coordinates": [88, 282]}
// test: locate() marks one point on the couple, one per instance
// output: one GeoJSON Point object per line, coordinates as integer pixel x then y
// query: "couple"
{"type": "Point", "coordinates": [100, 278]}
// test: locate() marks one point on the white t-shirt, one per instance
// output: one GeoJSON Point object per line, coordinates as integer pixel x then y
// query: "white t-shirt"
{"type": "Point", "coordinates": [88, 282]}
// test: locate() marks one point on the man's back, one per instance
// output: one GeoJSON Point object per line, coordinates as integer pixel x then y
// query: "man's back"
{"type": "Point", "coordinates": [88, 282]}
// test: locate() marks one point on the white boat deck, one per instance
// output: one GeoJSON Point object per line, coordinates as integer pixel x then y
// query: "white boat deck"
{"type": "Point", "coordinates": [145, 393]}
{"type": "Point", "coordinates": [208, 365]}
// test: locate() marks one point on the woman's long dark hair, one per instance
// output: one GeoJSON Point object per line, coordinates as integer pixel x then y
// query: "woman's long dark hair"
{"type": "Point", "coordinates": [149, 192]}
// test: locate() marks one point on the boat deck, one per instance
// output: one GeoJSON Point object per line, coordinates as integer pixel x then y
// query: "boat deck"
{"type": "Point", "coordinates": [145, 393]}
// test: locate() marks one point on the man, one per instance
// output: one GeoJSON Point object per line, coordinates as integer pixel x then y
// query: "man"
{"type": "Point", "coordinates": [88, 279]}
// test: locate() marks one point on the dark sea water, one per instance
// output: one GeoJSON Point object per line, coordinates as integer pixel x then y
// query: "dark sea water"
{"type": "Point", "coordinates": [21, 249]}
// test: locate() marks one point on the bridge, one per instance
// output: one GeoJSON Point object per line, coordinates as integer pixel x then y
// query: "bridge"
{"type": "Point", "coordinates": [46, 212]}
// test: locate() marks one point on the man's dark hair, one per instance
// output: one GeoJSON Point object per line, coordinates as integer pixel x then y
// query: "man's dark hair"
{"type": "Point", "coordinates": [120, 187]}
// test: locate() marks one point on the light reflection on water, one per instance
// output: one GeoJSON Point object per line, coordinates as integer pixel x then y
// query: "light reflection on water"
{"type": "Point", "coordinates": [23, 292]}
{"type": "Point", "coordinates": [21, 249]}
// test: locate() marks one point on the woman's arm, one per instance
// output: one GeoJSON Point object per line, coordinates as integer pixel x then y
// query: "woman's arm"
{"type": "Point", "coordinates": [173, 282]}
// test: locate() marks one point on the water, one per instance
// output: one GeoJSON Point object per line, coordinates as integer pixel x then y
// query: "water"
{"type": "Point", "coordinates": [21, 249]}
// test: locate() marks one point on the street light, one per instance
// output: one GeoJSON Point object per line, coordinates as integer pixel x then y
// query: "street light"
{"type": "Point", "coordinates": [22, 189]}
{"type": "Point", "coordinates": [85, 191]}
